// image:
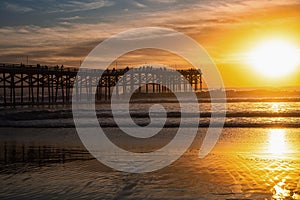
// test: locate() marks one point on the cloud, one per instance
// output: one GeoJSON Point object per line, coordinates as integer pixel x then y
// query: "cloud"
{"type": "Point", "coordinates": [139, 5]}
{"type": "Point", "coordinates": [79, 6]}
{"type": "Point", "coordinates": [163, 1]}
{"type": "Point", "coordinates": [61, 44]}
{"type": "Point", "coordinates": [70, 18]}
{"type": "Point", "coordinates": [17, 8]}
{"type": "Point", "coordinates": [73, 37]}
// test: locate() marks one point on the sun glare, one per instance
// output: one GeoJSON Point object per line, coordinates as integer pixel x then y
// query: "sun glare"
{"type": "Point", "coordinates": [277, 145]}
{"type": "Point", "coordinates": [274, 58]}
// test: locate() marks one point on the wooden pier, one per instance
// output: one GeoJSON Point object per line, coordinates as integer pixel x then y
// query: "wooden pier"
{"type": "Point", "coordinates": [40, 85]}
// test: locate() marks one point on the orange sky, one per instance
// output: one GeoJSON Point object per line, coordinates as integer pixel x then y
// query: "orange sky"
{"type": "Point", "coordinates": [228, 44]}
{"type": "Point", "coordinates": [65, 34]}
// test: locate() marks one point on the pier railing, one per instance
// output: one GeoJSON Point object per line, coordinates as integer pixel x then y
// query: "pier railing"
{"type": "Point", "coordinates": [36, 85]}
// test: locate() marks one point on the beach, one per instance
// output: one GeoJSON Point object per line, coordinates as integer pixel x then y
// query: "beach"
{"type": "Point", "coordinates": [256, 156]}
{"type": "Point", "coordinates": [241, 166]}
{"type": "Point", "coordinates": [152, 100]}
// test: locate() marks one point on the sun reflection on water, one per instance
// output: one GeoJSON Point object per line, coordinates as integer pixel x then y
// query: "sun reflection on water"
{"type": "Point", "coordinates": [277, 142]}
{"type": "Point", "coordinates": [279, 148]}
{"type": "Point", "coordinates": [280, 192]}
{"type": "Point", "coordinates": [277, 106]}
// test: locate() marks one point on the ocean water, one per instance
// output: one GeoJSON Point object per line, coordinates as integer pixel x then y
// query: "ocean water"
{"type": "Point", "coordinates": [256, 157]}
{"type": "Point", "coordinates": [238, 114]}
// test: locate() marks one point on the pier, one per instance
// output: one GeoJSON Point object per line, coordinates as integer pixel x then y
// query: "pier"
{"type": "Point", "coordinates": [41, 85]}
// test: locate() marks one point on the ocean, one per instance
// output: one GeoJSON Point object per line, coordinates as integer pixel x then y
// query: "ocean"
{"type": "Point", "coordinates": [256, 156]}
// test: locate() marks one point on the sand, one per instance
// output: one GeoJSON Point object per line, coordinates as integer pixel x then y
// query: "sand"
{"type": "Point", "coordinates": [242, 165]}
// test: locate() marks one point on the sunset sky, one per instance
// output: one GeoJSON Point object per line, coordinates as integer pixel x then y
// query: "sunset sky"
{"type": "Point", "coordinates": [64, 32]}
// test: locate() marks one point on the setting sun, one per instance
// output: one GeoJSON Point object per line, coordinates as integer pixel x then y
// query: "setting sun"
{"type": "Point", "coordinates": [274, 58]}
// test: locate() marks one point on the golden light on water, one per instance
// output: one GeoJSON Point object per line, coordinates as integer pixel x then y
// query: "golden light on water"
{"type": "Point", "coordinates": [278, 147]}
{"type": "Point", "coordinates": [280, 192]}
{"type": "Point", "coordinates": [277, 106]}
{"type": "Point", "coordinates": [277, 143]}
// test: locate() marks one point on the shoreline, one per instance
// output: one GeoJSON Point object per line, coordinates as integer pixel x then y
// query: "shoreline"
{"type": "Point", "coordinates": [149, 98]}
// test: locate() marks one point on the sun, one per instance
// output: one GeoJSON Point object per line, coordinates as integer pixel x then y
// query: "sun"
{"type": "Point", "coordinates": [274, 58]}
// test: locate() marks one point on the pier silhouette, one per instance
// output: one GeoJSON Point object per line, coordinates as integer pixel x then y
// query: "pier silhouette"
{"type": "Point", "coordinates": [42, 85]}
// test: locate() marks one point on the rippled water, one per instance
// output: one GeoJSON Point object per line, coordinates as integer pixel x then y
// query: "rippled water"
{"type": "Point", "coordinates": [239, 114]}
{"type": "Point", "coordinates": [257, 156]}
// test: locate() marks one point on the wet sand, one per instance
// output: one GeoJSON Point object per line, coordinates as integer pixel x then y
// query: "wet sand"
{"type": "Point", "coordinates": [246, 163]}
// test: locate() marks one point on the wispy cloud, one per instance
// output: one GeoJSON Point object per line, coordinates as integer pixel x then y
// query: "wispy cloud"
{"type": "Point", "coordinates": [163, 1]}
{"type": "Point", "coordinates": [74, 35]}
{"type": "Point", "coordinates": [79, 6]}
{"type": "Point", "coordinates": [139, 5]}
{"type": "Point", "coordinates": [17, 8]}
{"type": "Point", "coordinates": [70, 18]}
